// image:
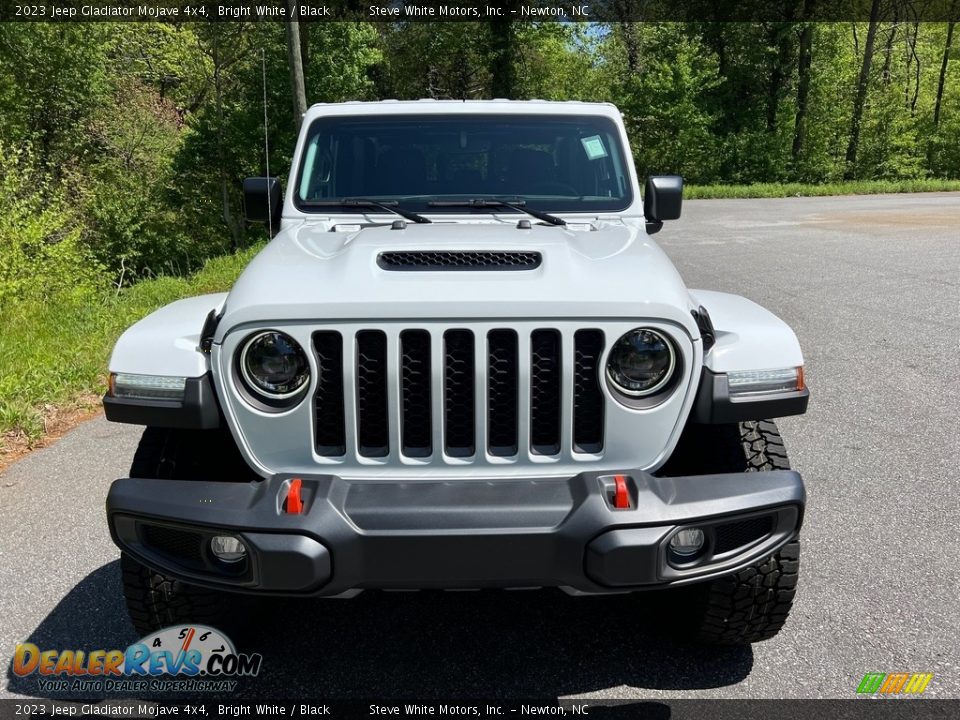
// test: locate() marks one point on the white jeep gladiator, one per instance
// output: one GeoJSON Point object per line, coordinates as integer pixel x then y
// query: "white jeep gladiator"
{"type": "Point", "coordinates": [461, 362]}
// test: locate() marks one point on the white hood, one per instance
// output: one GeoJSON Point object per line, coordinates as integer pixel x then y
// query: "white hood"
{"type": "Point", "coordinates": [604, 270]}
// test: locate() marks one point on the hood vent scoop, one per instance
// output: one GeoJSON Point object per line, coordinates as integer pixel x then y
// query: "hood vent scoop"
{"type": "Point", "coordinates": [442, 260]}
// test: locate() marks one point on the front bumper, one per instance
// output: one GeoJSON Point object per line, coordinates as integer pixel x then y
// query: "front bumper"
{"type": "Point", "coordinates": [351, 535]}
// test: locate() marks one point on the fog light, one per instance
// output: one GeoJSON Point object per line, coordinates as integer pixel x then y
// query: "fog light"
{"type": "Point", "coordinates": [687, 543]}
{"type": "Point", "coordinates": [228, 548]}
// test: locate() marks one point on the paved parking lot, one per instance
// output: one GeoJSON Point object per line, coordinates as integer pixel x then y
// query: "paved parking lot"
{"type": "Point", "coordinates": [872, 287]}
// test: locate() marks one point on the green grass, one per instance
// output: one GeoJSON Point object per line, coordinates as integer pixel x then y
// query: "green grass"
{"type": "Point", "coordinates": [55, 354]}
{"type": "Point", "coordinates": [778, 190]}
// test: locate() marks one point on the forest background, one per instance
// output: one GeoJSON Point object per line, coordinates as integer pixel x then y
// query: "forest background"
{"type": "Point", "coordinates": [123, 146]}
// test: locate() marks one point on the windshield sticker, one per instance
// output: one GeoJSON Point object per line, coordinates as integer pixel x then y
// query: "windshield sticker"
{"type": "Point", "coordinates": [593, 146]}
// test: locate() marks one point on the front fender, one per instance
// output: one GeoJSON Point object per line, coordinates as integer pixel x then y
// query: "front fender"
{"type": "Point", "coordinates": [167, 341]}
{"type": "Point", "coordinates": [748, 337]}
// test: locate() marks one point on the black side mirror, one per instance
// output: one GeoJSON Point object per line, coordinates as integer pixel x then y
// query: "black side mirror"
{"type": "Point", "coordinates": [662, 200]}
{"type": "Point", "coordinates": [263, 200]}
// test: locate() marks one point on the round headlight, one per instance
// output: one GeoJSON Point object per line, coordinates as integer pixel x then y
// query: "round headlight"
{"type": "Point", "coordinates": [641, 362]}
{"type": "Point", "coordinates": [273, 364]}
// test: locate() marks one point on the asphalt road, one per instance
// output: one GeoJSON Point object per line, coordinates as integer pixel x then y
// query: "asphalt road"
{"type": "Point", "coordinates": [872, 287]}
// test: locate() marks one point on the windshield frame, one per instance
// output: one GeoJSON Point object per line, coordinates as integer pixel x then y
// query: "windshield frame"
{"type": "Point", "coordinates": [550, 204]}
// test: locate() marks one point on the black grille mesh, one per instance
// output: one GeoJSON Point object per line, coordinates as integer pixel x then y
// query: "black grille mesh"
{"type": "Point", "coordinates": [545, 392]}
{"type": "Point", "coordinates": [415, 393]}
{"type": "Point", "coordinates": [458, 260]}
{"type": "Point", "coordinates": [372, 434]}
{"type": "Point", "coordinates": [330, 432]}
{"type": "Point", "coordinates": [181, 544]}
{"type": "Point", "coordinates": [730, 536]}
{"type": "Point", "coordinates": [587, 396]}
{"type": "Point", "coordinates": [502, 393]}
{"type": "Point", "coordinates": [458, 401]}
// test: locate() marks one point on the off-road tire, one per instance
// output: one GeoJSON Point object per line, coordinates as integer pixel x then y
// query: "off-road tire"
{"type": "Point", "coordinates": [753, 604]}
{"type": "Point", "coordinates": [155, 600]}
{"type": "Point", "coordinates": [172, 454]}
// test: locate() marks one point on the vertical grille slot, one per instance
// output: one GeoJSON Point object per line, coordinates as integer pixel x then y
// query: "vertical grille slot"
{"type": "Point", "coordinates": [587, 396]}
{"type": "Point", "coordinates": [458, 393]}
{"type": "Point", "coordinates": [330, 431]}
{"type": "Point", "coordinates": [502, 392]}
{"type": "Point", "coordinates": [545, 392]}
{"type": "Point", "coordinates": [416, 428]}
{"type": "Point", "coordinates": [372, 432]}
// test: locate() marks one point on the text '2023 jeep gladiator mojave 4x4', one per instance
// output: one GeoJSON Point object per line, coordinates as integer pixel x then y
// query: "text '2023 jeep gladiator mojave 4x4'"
{"type": "Point", "coordinates": [461, 363]}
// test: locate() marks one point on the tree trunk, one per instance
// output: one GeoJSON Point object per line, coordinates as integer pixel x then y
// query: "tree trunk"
{"type": "Point", "coordinates": [860, 99]}
{"type": "Point", "coordinates": [631, 43]}
{"type": "Point", "coordinates": [804, 61]}
{"type": "Point", "coordinates": [305, 48]}
{"type": "Point", "coordinates": [226, 210]}
{"type": "Point", "coordinates": [888, 51]}
{"type": "Point", "coordinates": [916, 69]}
{"type": "Point", "coordinates": [503, 63]}
{"type": "Point", "coordinates": [779, 36]}
{"type": "Point", "coordinates": [626, 22]}
{"type": "Point", "coordinates": [943, 73]}
{"type": "Point", "coordinates": [913, 63]}
{"type": "Point", "coordinates": [295, 61]}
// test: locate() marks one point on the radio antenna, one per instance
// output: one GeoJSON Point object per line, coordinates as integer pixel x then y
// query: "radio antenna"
{"type": "Point", "coordinates": [266, 143]}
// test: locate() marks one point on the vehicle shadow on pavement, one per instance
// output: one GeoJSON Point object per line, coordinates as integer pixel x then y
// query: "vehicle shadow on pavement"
{"type": "Point", "coordinates": [92, 616]}
{"type": "Point", "coordinates": [492, 644]}
{"type": "Point", "coordinates": [483, 644]}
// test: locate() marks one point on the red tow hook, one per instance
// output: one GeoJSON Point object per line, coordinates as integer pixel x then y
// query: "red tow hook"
{"type": "Point", "coordinates": [621, 496]}
{"type": "Point", "coordinates": [294, 503]}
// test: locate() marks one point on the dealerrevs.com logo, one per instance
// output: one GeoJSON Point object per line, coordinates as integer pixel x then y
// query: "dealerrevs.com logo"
{"type": "Point", "coordinates": [181, 658]}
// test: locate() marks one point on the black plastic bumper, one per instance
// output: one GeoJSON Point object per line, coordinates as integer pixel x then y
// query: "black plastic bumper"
{"type": "Point", "coordinates": [455, 534]}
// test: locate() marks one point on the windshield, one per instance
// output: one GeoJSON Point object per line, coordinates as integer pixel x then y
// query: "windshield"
{"type": "Point", "coordinates": [559, 163]}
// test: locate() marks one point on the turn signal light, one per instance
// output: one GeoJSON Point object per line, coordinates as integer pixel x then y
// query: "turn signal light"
{"type": "Point", "coordinates": [758, 382]}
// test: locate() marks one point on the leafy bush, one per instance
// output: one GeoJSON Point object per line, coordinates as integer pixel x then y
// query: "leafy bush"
{"type": "Point", "coordinates": [41, 258]}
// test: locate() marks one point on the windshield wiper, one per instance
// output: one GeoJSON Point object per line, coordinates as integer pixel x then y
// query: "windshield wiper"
{"type": "Point", "coordinates": [519, 205]}
{"type": "Point", "coordinates": [390, 206]}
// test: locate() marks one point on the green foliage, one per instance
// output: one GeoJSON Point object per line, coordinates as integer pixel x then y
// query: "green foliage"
{"type": "Point", "coordinates": [671, 131]}
{"type": "Point", "coordinates": [51, 76]}
{"type": "Point", "coordinates": [41, 258]}
{"type": "Point", "coordinates": [54, 352]}
{"type": "Point", "coordinates": [130, 223]}
{"type": "Point", "coordinates": [147, 129]}
{"type": "Point", "coordinates": [450, 61]}
{"type": "Point", "coordinates": [573, 55]}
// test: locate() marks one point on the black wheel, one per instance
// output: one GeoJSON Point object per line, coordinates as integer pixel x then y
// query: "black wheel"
{"type": "Point", "coordinates": [752, 604]}
{"type": "Point", "coordinates": [155, 600]}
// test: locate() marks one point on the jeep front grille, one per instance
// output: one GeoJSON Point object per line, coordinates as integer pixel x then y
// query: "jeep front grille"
{"type": "Point", "coordinates": [497, 393]}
